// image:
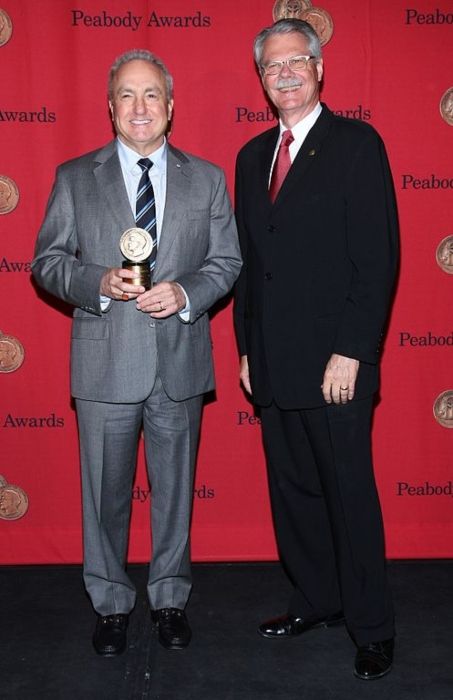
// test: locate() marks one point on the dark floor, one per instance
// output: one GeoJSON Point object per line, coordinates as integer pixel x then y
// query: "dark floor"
{"type": "Point", "coordinates": [47, 624]}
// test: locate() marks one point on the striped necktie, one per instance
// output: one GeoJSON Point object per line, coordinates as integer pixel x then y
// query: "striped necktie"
{"type": "Point", "coordinates": [145, 207]}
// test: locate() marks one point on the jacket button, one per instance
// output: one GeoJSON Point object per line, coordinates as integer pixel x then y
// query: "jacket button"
{"type": "Point", "coordinates": [271, 228]}
{"type": "Point", "coordinates": [268, 276]}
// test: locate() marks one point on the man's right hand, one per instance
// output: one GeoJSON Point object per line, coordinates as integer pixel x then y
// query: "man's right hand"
{"type": "Point", "coordinates": [244, 374]}
{"type": "Point", "coordinates": [114, 285]}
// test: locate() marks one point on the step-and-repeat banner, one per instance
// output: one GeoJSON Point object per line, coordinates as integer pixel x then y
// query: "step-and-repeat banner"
{"type": "Point", "coordinates": [387, 62]}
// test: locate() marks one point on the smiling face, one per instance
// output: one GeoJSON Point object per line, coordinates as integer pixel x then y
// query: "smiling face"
{"type": "Point", "coordinates": [294, 94]}
{"type": "Point", "coordinates": [139, 106]}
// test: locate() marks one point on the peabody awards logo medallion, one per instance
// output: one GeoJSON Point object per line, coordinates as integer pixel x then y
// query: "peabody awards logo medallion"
{"type": "Point", "coordinates": [289, 9]}
{"type": "Point", "coordinates": [6, 27]}
{"type": "Point", "coordinates": [446, 106]}
{"type": "Point", "coordinates": [11, 353]}
{"type": "Point", "coordinates": [9, 195]}
{"type": "Point", "coordinates": [321, 22]}
{"type": "Point", "coordinates": [13, 501]}
{"type": "Point", "coordinates": [136, 244]}
{"type": "Point", "coordinates": [443, 409]}
{"type": "Point", "coordinates": [319, 19]}
{"type": "Point", "coordinates": [444, 255]}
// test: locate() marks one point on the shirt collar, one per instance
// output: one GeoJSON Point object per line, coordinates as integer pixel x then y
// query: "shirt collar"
{"type": "Point", "coordinates": [128, 157]}
{"type": "Point", "coordinates": [301, 129]}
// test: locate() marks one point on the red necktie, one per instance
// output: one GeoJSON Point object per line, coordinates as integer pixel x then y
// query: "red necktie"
{"type": "Point", "coordinates": [282, 164]}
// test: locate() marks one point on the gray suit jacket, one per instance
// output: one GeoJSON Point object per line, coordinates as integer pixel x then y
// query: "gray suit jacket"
{"type": "Point", "coordinates": [115, 355]}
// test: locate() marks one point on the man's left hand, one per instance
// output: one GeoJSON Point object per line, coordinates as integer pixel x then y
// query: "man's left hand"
{"type": "Point", "coordinates": [162, 300]}
{"type": "Point", "coordinates": [338, 385]}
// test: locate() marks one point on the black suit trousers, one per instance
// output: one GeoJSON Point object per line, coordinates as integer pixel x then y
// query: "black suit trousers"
{"type": "Point", "coordinates": [327, 515]}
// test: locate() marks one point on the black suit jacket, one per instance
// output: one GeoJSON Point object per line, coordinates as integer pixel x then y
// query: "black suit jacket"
{"type": "Point", "coordinates": [319, 263]}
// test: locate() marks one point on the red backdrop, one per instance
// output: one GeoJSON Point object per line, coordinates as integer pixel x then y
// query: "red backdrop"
{"type": "Point", "coordinates": [386, 64]}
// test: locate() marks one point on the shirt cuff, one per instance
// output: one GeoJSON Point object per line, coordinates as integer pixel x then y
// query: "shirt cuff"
{"type": "Point", "coordinates": [105, 302]}
{"type": "Point", "coordinates": [184, 314]}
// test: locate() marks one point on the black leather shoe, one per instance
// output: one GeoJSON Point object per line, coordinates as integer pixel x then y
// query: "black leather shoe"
{"type": "Point", "coordinates": [374, 660]}
{"type": "Point", "coordinates": [173, 627]}
{"type": "Point", "coordinates": [291, 626]}
{"type": "Point", "coordinates": [110, 634]}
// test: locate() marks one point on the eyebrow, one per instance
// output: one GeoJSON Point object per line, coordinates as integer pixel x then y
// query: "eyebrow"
{"type": "Point", "coordinates": [128, 88]}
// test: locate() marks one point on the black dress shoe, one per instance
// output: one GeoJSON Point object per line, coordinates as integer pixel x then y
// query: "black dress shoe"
{"type": "Point", "coordinates": [110, 634]}
{"type": "Point", "coordinates": [374, 660]}
{"type": "Point", "coordinates": [291, 626]}
{"type": "Point", "coordinates": [173, 627]}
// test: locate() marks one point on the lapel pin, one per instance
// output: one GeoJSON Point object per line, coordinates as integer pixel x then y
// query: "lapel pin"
{"type": "Point", "coordinates": [312, 152]}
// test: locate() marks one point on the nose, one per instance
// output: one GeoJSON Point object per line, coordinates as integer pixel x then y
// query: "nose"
{"type": "Point", "coordinates": [285, 70]}
{"type": "Point", "coordinates": [140, 106]}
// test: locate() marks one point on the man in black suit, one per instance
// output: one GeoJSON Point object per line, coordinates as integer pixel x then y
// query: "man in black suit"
{"type": "Point", "coordinates": [318, 229]}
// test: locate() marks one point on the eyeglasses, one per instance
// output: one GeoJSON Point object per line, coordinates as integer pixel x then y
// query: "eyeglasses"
{"type": "Point", "coordinates": [296, 64]}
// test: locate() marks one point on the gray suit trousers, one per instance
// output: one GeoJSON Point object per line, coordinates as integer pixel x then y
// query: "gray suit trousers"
{"type": "Point", "coordinates": [109, 435]}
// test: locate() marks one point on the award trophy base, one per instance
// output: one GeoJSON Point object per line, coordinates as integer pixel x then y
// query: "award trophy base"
{"type": "Point", "coordinates": [142, 272]}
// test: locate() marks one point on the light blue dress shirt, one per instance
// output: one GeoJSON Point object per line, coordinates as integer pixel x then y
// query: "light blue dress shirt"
{"type": "Point", "coordinates": [158, 176]}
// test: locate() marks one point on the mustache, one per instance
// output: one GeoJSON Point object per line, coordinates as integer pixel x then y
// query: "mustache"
{"type": "Point", "coordinates": [288, 83]}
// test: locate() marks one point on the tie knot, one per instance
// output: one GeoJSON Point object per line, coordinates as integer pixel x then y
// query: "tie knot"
{"type": "Point", "coordinates": [145, 164]}
{"type": "Point", "coordinates": [287, 138]}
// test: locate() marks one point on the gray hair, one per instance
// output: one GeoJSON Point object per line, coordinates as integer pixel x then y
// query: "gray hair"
{"type": "Point", "coordinates": [140, 55]}
{"type": "Point", "coordinates": [286, 26]}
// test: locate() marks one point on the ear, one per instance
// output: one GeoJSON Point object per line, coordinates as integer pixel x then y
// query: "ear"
{"type": "Point", "coordinates": [111, 108]}
{"type": "Point", "coordinates": [319, 69]}
{"type": "Point", "coordinates": [169, 109]}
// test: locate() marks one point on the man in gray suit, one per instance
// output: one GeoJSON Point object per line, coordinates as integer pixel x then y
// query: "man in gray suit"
{"type": "Point", "coordinates": [138, 357]}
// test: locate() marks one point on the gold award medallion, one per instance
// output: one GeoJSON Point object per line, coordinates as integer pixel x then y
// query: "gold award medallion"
{"type": "Point", "coordinates": [136, 244]}
{"type": "Point", "coordinates": [446, 106]}
{"type": "Point", "coordinates": [443, 409]}
{"type": "Point", "coordinates": [444, 255]}
{"type": "Point", "coordinates": [321, 22]}
{"type": "Point", "coordinates": [13, 502]}
{"type": "Point", "coordinates": [6, 27]}
{"type": "Point", "coordinates": [11, 353]}
{"type": "Point", "coordinates": [9, 194]}
{"type": "Point", "coordinates": [289, 9]}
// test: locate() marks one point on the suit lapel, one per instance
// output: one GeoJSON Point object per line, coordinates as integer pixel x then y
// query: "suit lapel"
{"type": "Point", "coordinates": [260, 178]}
{"type": "Point", "coordinates": [179, 172]}
{"type": "Point", "coordinates": [108, 175]}
{"type": "Point", "coordinates": [267, 156]}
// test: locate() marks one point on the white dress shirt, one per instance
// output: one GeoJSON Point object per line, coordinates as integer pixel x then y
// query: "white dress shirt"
{"type": "Point", "coordinates": [299, 131]}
